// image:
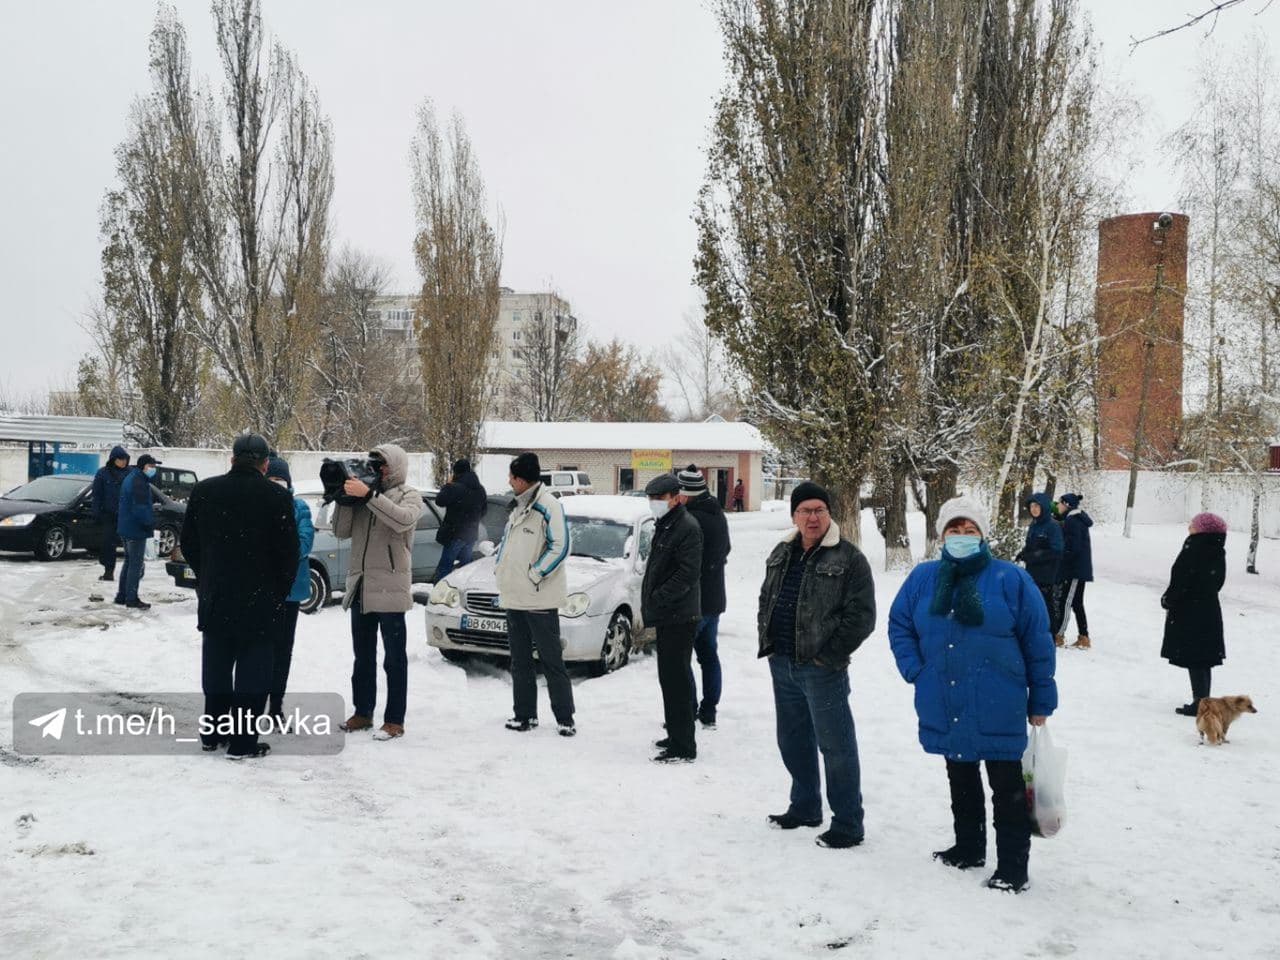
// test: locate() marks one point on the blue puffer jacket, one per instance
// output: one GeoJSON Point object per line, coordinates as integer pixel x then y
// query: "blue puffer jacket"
{"type": "Point", "coordinates": [301, 588]}
{"type": "Point", "coordinates": [1077, 556]}
{"type": "Point", "coordinates": [1042, 553]}
{"type": "Point", "coordinates": [106, 486]}
{"type": "Point", "coordinates": [976, 686]}
{"type": "Point", "coordinates": [136, 519]}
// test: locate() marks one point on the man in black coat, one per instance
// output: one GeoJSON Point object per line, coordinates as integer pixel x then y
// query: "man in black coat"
{"type": "Point", "coordinates": [106, 506]}
{"type": "Point", "coordinates": [671, 603]}
{"type": "Point", "coordinates": [706, 510]}
{"type": "Point", "coordinates": [241, 540]}
{"type": "Point", "coordinates": [464, 500]}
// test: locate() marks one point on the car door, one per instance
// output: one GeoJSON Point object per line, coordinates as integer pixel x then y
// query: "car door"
{"type": "Point", "coordinates": [85, 530]}
{"type": "Point", "coordinates": [494, 522]}
{"type": "Point", "coordinates": [426, 552]}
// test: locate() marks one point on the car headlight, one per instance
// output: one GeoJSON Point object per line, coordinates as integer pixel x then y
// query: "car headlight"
{"type": "Point", "coordinates": [17, 520]}
{"type": "Point", "coordinates": [575, 605]}
{"type": "Point", "coordinates": [444, 593]}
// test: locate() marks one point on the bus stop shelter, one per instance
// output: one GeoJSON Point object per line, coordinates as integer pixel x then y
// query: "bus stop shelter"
{"type": "Point", "coordinates": [54, 444]}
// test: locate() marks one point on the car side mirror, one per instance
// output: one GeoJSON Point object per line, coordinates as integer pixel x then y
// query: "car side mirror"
{"type": "Point", "coordinates": [485, 548]}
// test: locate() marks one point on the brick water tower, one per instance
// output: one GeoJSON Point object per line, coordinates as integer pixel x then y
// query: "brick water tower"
{"type": "Point", "coordinates": [1142, 286]}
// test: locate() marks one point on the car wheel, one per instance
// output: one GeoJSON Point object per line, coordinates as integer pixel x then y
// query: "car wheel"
{"type": "Point", "coordinates": [53, 545]}
{"type": "Point", "coordinates": [166, 540]}
{"type": "Point", "coordinates": [455, 656]}
{"type": "Point", "coordinates": [615, 652]}
{"type": "Point", "coordinates": [318, 595]}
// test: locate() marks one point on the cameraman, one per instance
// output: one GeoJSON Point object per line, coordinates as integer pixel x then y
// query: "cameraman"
{"type": "Point", "coordinates": [379, 585]}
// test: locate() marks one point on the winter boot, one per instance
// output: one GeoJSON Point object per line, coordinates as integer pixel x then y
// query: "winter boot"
{"type": "Point", "coordinates": [567, 729]}
{"type": "Point", "coordinates": [389, 731]}
{"type": "Point", "coordinates": [521, 725]}
{"type": "Point", "coordinates": [1059, 640]}
{"type": "Point", "coordinates": [1082, 642]}
{"type": "Point", "coordinates": [997, 882]}
{"type": "Point", "coordinates": [837, 840]}
{"type": "Point", "coordinates": [259, 751]}
{"type": "Point", "coordinates": [970, 849]}
{"type": "Point", "coordinates": [1013, 836]}
{"type": "Point", "coordinates": [789, 821]}
{"type": "Point", "coordinates": [1188, 709]}
{"type": "Point", "coordinates": [356, 723]}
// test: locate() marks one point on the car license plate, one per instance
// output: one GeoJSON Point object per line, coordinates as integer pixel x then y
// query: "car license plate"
{"type": "Point", "coordinates": [484, 624]}
{"type": "Point", "coordinates": [188, 574]}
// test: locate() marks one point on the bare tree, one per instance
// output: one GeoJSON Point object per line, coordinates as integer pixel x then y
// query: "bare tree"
{"type": "Point", "coordinates": [542, 386]}
{"type": "Point", "coordinates": [615, 383]}
{"type": "Point", "coordinates": [459, 255]}
{"type": "Point", "coordinates": [696, 367]}
{"type": "Point", "coordinates": [1209, 14]}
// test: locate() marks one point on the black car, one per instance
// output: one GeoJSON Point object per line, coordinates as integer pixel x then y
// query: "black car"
{"type": "Point", "coordinates": [175, 482]}
{"type": "Point", "coordinates": [54, 514]}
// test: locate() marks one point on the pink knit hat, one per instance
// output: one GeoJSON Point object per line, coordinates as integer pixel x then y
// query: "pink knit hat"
{"type": "Point", "coordinates": [1208, 523]}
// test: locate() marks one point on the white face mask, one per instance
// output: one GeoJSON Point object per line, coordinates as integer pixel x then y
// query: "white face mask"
{"type": "Point", "coordinates": [659, 508]}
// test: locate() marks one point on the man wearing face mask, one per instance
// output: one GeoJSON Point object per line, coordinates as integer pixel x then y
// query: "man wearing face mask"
{"type": "Point", "coordinates": [135, 522]}
{"type": "Point", "coordinates": [532, 586]}
{"type": "Point", "coordinates": [971, 633]}
{"type": "Point", "coordinates": [671, 603]}
{"type": "Point", "coordinates": [817, 606]}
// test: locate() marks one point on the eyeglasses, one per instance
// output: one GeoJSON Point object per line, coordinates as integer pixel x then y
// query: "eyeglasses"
{"type": "Point", "coordinates": [812, 511]}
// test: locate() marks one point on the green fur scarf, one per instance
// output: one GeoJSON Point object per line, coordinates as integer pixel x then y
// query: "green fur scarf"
{"type": "Point", "coordinates": [957, 588]}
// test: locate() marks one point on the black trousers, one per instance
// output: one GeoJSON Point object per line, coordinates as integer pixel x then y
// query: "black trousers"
{"type": "Point", "coordinates": [1201, 679]}
{"type": "Point", "coordinates": [675, 658]}
{"type": "Point", "coordinates": [236, 677]}
{"type": "Point", "coordinates": [1072, 598]}
{"type": "Point", "coordinates": [283, 657]}
{"type": "Point", "coordinates": [107, 549]}
{"type": "Point", "coordinates": [1049, 591]}
{"type": "Point", "coordinates": [1009, 808]}
{"type": "Point", "coordinates": [527, 629]}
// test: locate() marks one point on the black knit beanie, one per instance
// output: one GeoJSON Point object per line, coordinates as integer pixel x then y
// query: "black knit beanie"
{"type": "Point", "coordinates": [527, 468]}
{"type": "Point", "coordinates": [808, 491]}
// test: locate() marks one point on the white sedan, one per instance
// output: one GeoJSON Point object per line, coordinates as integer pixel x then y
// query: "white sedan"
{"type": "Point", "coordinates": [609, 539]}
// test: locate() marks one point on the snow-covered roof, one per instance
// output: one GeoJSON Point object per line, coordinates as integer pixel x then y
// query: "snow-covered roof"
{"type": "Point", "coordinates": [86, 431]}
{"type": "Point", "coordinates": [514, 435]}
{"type": "Point", "coordinates": [606, 507]}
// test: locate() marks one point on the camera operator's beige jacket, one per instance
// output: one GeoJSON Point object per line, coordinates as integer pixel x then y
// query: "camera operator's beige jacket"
{"type": "Point", "coordinates": [381, 534]}
{"type": "Point", "coordinates": [531, 558]}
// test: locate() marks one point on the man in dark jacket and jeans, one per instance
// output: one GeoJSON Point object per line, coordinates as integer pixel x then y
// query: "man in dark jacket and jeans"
{"type": "Point", "coordinates": [135, 523]}
{"type": "Point", "coordinates": [706, 509]}
{"type": "Point", "coordinates": [240, 537]}
{"type": "Point", "coordinates": [464, 500]}
{"type": "Point", "coordinates": [106, 506]}
{"type": "Point", "coordinates": [817, 605]}
{"type": "Point", "coordinates": [671, 603]}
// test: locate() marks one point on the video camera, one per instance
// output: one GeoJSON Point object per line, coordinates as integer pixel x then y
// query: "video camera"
{"type": "Point", "coordinates": [334, 473]}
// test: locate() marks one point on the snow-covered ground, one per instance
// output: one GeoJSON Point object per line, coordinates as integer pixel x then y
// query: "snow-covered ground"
{"type": "Point", "coordinates": [466, 840]}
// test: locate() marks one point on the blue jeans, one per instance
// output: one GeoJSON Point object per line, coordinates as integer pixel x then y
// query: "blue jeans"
{"type": "Point", "coordinates": [706, 648]}
{"type": "Point", "coordinates": [131, 571]}
{"type": "Point", "coordinates": [455, 551]}
{"type": "Point", "coordinates": [395, 661]}
{"type": "Point", "coordinates": [812, 704]}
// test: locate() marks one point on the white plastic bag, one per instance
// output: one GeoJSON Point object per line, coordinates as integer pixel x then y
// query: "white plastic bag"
{"type": "Point", "coordinates": [1044, 771]}
{"type": "Point", "coordinates": [151, 550]}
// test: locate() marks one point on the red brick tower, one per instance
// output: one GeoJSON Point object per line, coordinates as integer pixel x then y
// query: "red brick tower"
{"type": "Point", "coordinates": [1142, 283]}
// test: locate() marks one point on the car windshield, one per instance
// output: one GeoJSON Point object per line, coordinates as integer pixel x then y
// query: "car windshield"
{"type": "Point", "coordinates": [48, 490]}
{"type": "Point", "coordinates": [598, 538]}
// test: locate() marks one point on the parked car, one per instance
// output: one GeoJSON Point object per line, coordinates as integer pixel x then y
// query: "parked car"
{"type": "Point", "coordinates": [567, 483]}
{"type": "Point", "coordinates": [609, 540]}
{"type": "Point", "coordinates": [54, 514]}
{"type": "Point", "coordinates": [330, 557]}
{"type": "Point", "coordinates": [176, 482]}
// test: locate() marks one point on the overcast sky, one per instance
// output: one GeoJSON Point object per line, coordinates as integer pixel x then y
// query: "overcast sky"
{"type": "Point", "coordinates": [589, 118]}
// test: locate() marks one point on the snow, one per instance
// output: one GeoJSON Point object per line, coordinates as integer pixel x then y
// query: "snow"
{"type": "Point", "coordinates": [465, 840]}
{"type": "Point", "coordinates": [606, 507]}
{"type": "Point", "coordinates": [514, 435]}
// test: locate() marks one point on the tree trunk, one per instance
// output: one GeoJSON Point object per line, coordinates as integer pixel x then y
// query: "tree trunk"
{"type": "Point", "coordinates": [893, 497]}
{"type": "Point", "coordinates": [940, 487]}
{"type": "Point", "coordinates": [846, 506]}
{"type": "Point", "coordinates": [1251, 562]}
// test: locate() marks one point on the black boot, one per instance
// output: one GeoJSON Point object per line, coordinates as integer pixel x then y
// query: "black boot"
{"type": "Point", "coordinates": [1013, 825]}
{"type": "Point", "coordinates": [968, 813]}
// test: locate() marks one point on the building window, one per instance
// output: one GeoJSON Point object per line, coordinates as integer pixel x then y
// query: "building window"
{"type": "Point", "coordinates": [515, 334]}
{"type": "Point", "coordinates": [516, 316]}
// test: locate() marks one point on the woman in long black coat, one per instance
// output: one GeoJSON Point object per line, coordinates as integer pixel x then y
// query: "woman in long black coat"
{"type": "Point", "coordinates": [1193, 623]}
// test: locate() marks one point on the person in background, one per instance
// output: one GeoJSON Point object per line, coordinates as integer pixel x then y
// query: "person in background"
{"type": "Point", "coordinates": [1193, 635]}
{"type": "Point", "coordinates": [379, 588]}
{"type": "Point", "coordinates": [106, 507]}
{"type": "Point", "coordinates": [1042, 556]}
{"type": "Point", "coordinates": [135, 523]}
{"type": "Point", "coordinates": [1076, 569]}
{"type": "Point", "coordinates": [464, 500]}
{"type": "Point", "coordinates": [739, 494]}
{"type": "Point", "coordinates": [241, 538]}
{"type": "Point", "coordinates": [671, 603]}
{"type": "Point", "coordinates": [282, 654]}
{"type": "Point", "coordinates": [969, 632]}
{"type": "Point", "coordinates": [532, 586]}
{"type": "Point", "coordinates": [706, 509]}
{"type": "Point", "coordinates": [817, 606]}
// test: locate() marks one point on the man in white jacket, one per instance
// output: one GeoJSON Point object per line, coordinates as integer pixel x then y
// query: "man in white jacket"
{"type": "Point", "coordinates": [532, 586]}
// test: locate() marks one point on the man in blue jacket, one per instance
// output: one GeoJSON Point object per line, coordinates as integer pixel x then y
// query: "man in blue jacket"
{"type": "Point", "coordinates": [106, 506]}
{"type": "Point", "coordinates": [1042, 555]}
{"type": "Point", "coordinates": [136, 522]}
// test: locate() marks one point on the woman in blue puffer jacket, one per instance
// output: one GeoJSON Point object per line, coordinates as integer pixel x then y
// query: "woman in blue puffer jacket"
{"type": "Point", "coordinates": [971, 633]}
{"type": "Point", "coordinates": [278, 471]}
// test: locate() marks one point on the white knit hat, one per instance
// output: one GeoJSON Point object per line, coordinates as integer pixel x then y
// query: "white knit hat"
{"type": "Point", "coordinates": [965, 507]}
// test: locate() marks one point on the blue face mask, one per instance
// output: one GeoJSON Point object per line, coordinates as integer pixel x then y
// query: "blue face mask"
{"type": "Point", "coordinates": [149, 471]}
{"type": "Point", "coordinates": [961, 545]}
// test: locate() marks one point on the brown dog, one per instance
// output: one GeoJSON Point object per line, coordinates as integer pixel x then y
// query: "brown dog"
{"type": "Point", "coordinates": [1216, 714]}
